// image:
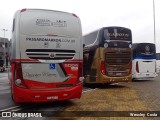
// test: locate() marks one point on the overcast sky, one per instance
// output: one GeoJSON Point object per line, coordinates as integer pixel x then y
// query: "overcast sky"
{"type": "Point", "coordinates": [134, 14]}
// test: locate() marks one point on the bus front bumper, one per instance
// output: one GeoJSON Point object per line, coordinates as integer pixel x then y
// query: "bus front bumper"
{"type": "Point", "coordinates": [117, 79]}
{"type": "Point", "coordinates": [144, 76]}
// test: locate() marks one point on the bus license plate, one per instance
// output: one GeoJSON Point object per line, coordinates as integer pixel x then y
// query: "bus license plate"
{"type": "Point", "coordinates": [52, 98]}
{"type": "Point", "coordinates": [118, 73]}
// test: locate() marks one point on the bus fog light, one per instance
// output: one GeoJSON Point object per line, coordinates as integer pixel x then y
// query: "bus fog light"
{"type": "Point", "coordinates": [105, 45]}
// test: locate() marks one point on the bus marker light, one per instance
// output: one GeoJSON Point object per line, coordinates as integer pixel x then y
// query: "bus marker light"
{"type": "Point", "coordinates": [74, 15]}
{"type": "Point", "coordinates": [23, 10]}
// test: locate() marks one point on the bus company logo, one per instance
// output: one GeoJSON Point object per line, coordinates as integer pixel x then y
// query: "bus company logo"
{"type": "Point", "coordinates": [43, 22]}
{"type": "Point", "coordinates": [71, 65]}
{"type": "Point", "coordinates": [147, 48]}
{"type": "Point", "coordinates": [56, 23]}
{"type": "Point", "coordinates": [51, 55]}
{"type": "Point", "coordinates": [117, 35]}
{"type": "Point", "coordinates": [59, 23]}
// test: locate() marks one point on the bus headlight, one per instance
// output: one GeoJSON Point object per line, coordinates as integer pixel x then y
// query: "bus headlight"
{"type": "Point", "coordinates": [105, 45]}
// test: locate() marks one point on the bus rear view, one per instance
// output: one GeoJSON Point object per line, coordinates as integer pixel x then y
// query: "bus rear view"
{"type": "Point", "coordinates": [46, 56]}
{"type": "Point", "coordinates": [108, 55]}
{"type": "Point", "coordinates": [144, 61]}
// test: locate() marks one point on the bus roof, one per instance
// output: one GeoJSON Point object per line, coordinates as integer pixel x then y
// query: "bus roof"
{"type": "Point", "coordinates": [27, 9]}
{"type": "Point", "coordinates": [106, 28]}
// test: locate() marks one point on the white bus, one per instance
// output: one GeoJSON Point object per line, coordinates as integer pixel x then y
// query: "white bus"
{"type": "Point", "coordinates": [144, 61]}
{"type": "Point", "coordinates": [158, 63]}
{"type": "Point", "coordinates": [46, 56]}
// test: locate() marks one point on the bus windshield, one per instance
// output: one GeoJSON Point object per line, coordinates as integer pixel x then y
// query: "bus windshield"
{"type": "Point", "coordinates": [117, 38]}
{"type": "Point", "coordinates": [144, 50]}
{"type": "Point", "coordinates": [117, 34]}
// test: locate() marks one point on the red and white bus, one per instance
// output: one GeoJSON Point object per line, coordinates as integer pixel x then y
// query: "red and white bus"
{"type": "Point", "coordinates": [46, 56]}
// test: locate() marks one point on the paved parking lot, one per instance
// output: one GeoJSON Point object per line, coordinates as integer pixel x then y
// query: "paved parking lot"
{"type": "Point", "coordinates": [138, 96]}
{"type": "Point", "coordinates": [100, 100]}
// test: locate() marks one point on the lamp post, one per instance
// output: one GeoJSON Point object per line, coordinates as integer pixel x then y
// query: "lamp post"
{"type": "Point", "coordinates": [4, 30]}
{"type": "Point", "coordinates": [154, 20]}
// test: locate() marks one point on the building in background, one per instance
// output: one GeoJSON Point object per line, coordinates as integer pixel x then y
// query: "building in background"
{"type": "Point", "coordinates": [4, 43]}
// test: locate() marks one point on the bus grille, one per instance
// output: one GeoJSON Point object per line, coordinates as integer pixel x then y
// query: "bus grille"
{"type": "Point", "coordinates": [117, 58]}
{"type": "Point", "coordinates": [50, 54]}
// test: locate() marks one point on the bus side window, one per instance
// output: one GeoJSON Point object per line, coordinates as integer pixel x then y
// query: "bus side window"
{"type": "Point", "coordinates": [13, 27]}
{"type": "Point", "coordinates": [91, 38]}
{"type": "Point", "coordinates": [9, 51]}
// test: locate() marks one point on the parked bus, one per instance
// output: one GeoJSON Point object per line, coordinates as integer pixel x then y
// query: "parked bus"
{"type": "Point", "coordinates": [46, 56]}
{"type": "Point", "coordinates": [158, 63]}
{"type": "Point", "coordinates": [144, 60]}
{"type": "Point", "coordinates": [108, 55]}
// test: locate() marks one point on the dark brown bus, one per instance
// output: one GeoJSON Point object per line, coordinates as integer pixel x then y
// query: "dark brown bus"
{"type": "Point", "coordinates": [108, 55]}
